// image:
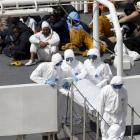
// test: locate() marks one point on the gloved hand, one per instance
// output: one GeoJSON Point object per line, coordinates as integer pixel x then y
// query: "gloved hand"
{"type": "Point", "coordinates": [51, 83]}
{"type": "Point", "coordinates": [99, 85]}
{"type": "Point", "coordinates": [66, 85]}
{"type": "Point", "coordinates": [75, 78]}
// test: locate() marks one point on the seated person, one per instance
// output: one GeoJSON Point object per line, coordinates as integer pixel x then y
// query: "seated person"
{"type": "Point", "coordinates": [30, 22]}
{"type": "Point", "coordinates": [71, 67]}
{"type": "Point", "coordinates": [97, 71]}
{"type": "Point", "coordinates": [133, 42]}
{"type": "Point", "coordinates": [44, 44]}
{"type": "Point", "coordinates": [59, 25]}
{"type": "Point", "coordinates": [104, 26]}
{"type": "Point", "coordinates": [17, 45]}
{"type": "Point", "coordinates": [78, 36]}
{"type": "Point", "coordinates": [3, 32]}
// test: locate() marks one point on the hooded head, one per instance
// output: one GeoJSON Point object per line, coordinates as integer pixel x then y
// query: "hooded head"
{"type": "Point", "coordinates": [57, 59]}
{"type": "Point", "coordinates": [117, 82]}
{"type": "Point", "coordinates": [69, 56]}
{"type": "Point", "coordinates": [137, 5]}
{"type": "Point", "coordinates": [46, 29]}
{"type": "Point", "coordinates": [74, 16]}
{"type": "Point", "coordinates": [93, 55]}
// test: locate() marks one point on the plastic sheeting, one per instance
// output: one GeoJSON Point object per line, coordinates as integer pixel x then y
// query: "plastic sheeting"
{"type": "Point", "coordinates": [88, 90]}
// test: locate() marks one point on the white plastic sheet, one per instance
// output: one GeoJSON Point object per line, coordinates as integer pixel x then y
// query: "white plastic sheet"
{"type": "Point", "coordinates": [88, 90]}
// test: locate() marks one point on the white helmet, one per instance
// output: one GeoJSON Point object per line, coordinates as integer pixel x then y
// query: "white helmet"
{"type": "Point", "coordinates": [94, 51]}
{"type": "Point", "coordinates": [56, 58]}
{"type": "Point", "coordinates": [116, 80]}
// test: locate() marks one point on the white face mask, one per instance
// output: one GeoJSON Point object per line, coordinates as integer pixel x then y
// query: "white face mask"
{"type": "Point", "coordinates": [58, 68]}
{"type": "Point", "coordinates": [69, 60]}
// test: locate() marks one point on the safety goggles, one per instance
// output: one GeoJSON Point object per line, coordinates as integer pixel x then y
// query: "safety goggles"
{"type": "Point", "coordinates": [93, 57]}
{"type": "Point", "coordinates": [69, 59]}
{"type": "Point", "coordinates": [59, 63]}
{"type": "Point", "coordinates": [117, 86]}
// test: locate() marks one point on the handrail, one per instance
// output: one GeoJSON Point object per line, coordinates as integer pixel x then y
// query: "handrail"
{"type": "Point", "coordinates": [97, 113]}
{"type": "Point", "coordinates": [134, 111]}
{"type": "Point", "coordinates": [100, 116]}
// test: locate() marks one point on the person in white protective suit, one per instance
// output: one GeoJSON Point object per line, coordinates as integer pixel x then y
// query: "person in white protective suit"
{"type": "Point", "coordinates": [72, 68]}
{"type": "Point", "coordinates": [44, 44]}
{"type": "Point", "coordinates": [97, 71]}
{"type": "Point", "coordinates": [113, 108]}
{"type": "Point", "coordinates": [49, 72]}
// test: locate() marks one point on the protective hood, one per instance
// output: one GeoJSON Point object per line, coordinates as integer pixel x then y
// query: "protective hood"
{"type": "Point", "coordinates": [69, 53]}
{"type": "Point", "coordinates": [94, 51]}
{"type": "Point", "coordinates": [74, 16]}
{"type": "Point", "coordinates": [45, 24]}
{"type": "Point", "coordinates": [116, 80]}
{"type": "Point", "coordinates": [56, 58]}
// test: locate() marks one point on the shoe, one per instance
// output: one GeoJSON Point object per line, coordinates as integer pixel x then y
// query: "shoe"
{"type": "Point", "coordinates": [30, 63]}
{"type": "Point", "coordinates": [16, 63]}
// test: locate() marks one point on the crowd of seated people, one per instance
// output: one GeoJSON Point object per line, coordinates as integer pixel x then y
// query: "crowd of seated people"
{"type": "Point", "coordinates": [19, 34]}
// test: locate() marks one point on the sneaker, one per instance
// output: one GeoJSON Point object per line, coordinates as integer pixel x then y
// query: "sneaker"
{"type": "Point", "coordinates": [30, 63]}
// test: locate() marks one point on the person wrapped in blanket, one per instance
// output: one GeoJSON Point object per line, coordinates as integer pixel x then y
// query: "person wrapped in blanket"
{"type": "Point", "coordinates": [79, 37]}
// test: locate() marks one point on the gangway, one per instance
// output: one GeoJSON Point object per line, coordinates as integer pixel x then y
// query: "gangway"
{"type": "Point", "coordinates": [84, 123]}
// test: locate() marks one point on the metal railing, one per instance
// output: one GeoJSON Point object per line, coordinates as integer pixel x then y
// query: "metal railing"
{"type": "Point", "coordinates": [86, 107]}
{"type": "Point", "coordinates": [133, 113]}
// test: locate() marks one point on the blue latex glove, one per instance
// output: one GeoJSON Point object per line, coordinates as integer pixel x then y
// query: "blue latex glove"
{"type": "Point", "coordinates": [75, 78]}
{"type": "Point", "coordinates": [66, 85]}
{"type": "Point", "coordinates": [51, 83]}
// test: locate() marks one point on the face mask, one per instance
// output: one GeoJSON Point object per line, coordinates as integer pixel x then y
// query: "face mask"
{"type": "Point", "coordinates": [69, 60]}
{"type": "Point", "coordinates": [92, 58]}
{"type": "Point", "coordinates": [117, 86]}
{"type": "Point", "coordinates": [58, 64]}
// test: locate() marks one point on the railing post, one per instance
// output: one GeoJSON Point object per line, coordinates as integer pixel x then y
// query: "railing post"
{"type": "Point", "coordinates": [85, 6]}
{"type": "Point", "coordinates": [97, 126]}
{"type": "Point", "coordinates": [71, 112]}
{"type": "Point", "coordinates": [84, 120]}
{"type": "Point", "coordinates": [132, 123]}
{"type": "Point", "coordinates": [20, 137]}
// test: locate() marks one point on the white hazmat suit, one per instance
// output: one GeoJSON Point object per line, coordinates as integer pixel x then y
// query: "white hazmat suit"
{"type": "Point", "coordinates": [97, 71]}
{"type": "Point", "coordinates": [44, 54]}
{"type": "Point", "coordinates": [72, 67]}
{"type": "Point", "coordinates": [48, 72]}
{"type": "Point", "coordinates": [113, 107]}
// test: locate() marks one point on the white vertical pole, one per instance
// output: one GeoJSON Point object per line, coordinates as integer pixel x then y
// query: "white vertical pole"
{"type": "Point", "coordinates": [118, 33]}
{"type": "Point", "coordinates": [77, 5]}
{"type": "Point", "coordinates": [96, 24]}
{"type": "Point", "coordinates": [81, 5]}
{"type": "Point", "coordinates": [85, 6]}
{"type": "Point", "coordinates": [73, 4]}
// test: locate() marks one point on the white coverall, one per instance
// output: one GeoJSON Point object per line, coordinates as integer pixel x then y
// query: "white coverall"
{"type": "Point", "coordinates": [98, 72]}
{"type": "Point", "coordinates": [45, 53]}
{"type": "Point", "coordinates": [113, 107]}
{"type": "Point", "coordinates": [75, 68]}
{"type": "Point", "coordinates": [48, 71]}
